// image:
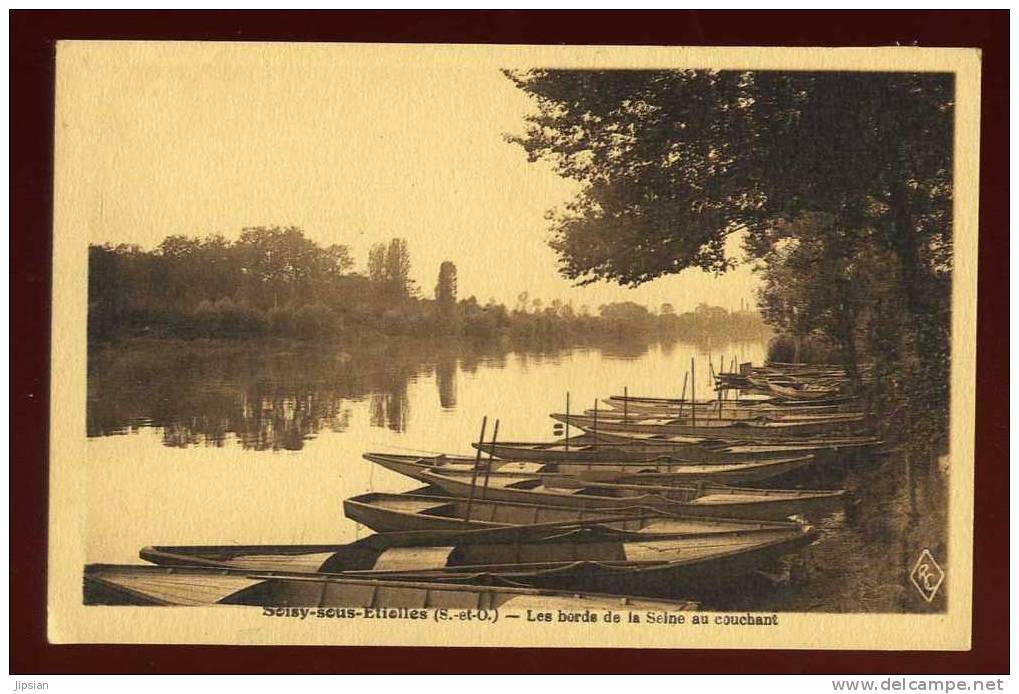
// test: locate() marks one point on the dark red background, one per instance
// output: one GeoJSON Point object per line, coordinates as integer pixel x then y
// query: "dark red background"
{"type": "Point", "coordinates": [32, 49]}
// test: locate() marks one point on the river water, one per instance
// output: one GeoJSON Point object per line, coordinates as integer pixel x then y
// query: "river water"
{"type": "Point", "coordinates": [229, 443]}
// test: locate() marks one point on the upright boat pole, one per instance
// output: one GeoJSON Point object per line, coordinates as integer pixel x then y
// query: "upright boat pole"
{"type": "Point", "coordinates": [682, 398]}
{"type": "Point", "coordinates": [720, 390]}
{"type": "Point", "coordinates": [474, 474]}
{"type": "Point", "coordinates": [567, 421]}
{"type": "Point", "coordinates": [491, 456]}
{"type": "Point", "coordinates": [693, 394]}
{"type": "Point", "coordinates": [626, 402]}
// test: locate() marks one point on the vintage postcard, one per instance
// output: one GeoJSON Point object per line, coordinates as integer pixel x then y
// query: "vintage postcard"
{"type": "Point", "coordinates": [463, 345]}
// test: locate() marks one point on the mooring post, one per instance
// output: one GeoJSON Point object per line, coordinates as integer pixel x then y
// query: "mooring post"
{"type": "Point", "coordinates": [474, 474]}
{"type": "Point", "coordinates": [626, 403]}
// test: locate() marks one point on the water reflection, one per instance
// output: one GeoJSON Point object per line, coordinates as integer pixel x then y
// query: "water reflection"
{"type": "Point", "coordinates": [445, 381]}
{"type": "Point", "coordinates": [389, 408]}
{"type": "Point", "coordinates": [201, 394]}
{"type": "Point", "coordinates": [623, 349]}
{"type": "Point", "coordinates": [270, 396]}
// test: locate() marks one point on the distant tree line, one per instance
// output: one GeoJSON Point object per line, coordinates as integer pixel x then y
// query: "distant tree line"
{"type": "Point", "coordinates": [274, 281]}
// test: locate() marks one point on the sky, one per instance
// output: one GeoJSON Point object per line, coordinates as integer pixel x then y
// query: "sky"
{"type": "Point", "coordinates": [355, 146]}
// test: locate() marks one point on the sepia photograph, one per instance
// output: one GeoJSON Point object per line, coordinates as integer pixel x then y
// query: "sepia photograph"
{"type": "Point", "coordinates": [513, 345]}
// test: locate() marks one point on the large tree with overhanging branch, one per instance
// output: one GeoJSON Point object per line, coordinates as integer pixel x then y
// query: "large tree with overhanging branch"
{"type": "Point", "coordinates": [672, 162]}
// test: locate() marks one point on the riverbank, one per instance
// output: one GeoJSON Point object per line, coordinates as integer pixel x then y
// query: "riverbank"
{"type": "Point", "coordinates": [287, 422]}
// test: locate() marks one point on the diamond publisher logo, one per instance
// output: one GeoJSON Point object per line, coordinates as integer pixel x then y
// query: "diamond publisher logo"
{"type": "Point", "coordinates": [927, 576]}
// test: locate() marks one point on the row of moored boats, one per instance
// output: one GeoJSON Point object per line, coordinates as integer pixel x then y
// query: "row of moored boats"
{"type": "Point", "coordinates": [646, 502]}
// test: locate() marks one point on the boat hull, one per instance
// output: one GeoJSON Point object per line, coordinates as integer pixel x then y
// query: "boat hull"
{"type": "Point", "coordinates": [824, 447]}
{"type": "Point", "coordinates": [621, 449]}
{"type": "Point", "coordinates": [657, 472]}
{"type": "Point", "coordinates": [720, 502]}
{"type": "Point", "coordinates": [568, 557]}
{"type": "Point", "coordinates": [384, 512]}
{"type": "Point", "coordinates": [733, 410]}
{"type": "Point", "coordinates": [161, 586]}
{"type": "Point", "coordinates": [695, 580]}
{"type": "Point", "coordinates": [719, 429]}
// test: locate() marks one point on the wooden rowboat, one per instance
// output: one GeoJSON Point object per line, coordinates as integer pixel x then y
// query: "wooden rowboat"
{"type": "Point", "coordinates": [804, 367]}
{"type": "Point", "coordinates": [731, 409]}
{"type": "Point", "coordinates": [641, 448]}
{"type": "Point", "coordinates": [804, 416]}
{"type": "Point", "coordinates": [801, 392]}
{"type": "Point", "coordinates": [194, 586]}
{"type": "Point", "coordinates": [700, 500]}
{"type": "Point", "coordinates": [427, 509]}
{"type": "Point", "coordinates": [779, 446]}
{"type": "Point", "coordinates": [647, 472]}
{"type": "Point", "coordinates": [727, 429]}
{"type": "Point", "coordinates": [766, 399]}
{"type": "Point", "coordinates": [587, 448]}
{"type": "Point", "coordinates": [561, 557]}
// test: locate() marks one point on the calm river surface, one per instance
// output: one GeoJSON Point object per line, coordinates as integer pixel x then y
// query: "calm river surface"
{"type": "Point", "coordinates": [219, 443]}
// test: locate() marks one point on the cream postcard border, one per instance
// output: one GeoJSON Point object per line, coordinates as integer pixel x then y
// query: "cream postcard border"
{"type": "Point", "coordinates": [71, 622]}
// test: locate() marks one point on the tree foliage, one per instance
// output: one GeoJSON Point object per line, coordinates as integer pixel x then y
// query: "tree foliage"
{"type": "Point", "coordinates": [377, 263]}
{"type": "Point", "coordinates": [280, 263]}
{"type": "Point", "coordinates": [841, 184]}
{"type": "Point", "coordinates": [398, 267]}
{"type": "Point", "coordinates": [275, 281]}
{"type": "Point", "coordinates": [672, 162]}
{"type": "Point", "coordinates": [445, 288]}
